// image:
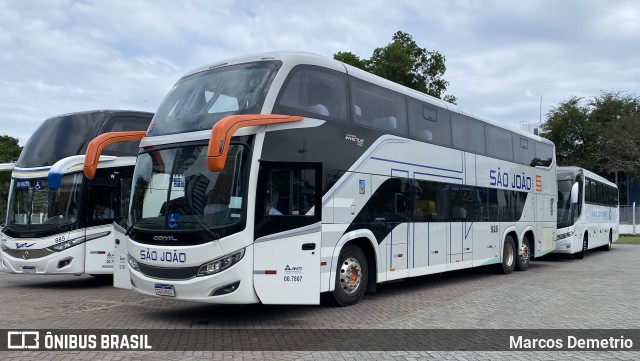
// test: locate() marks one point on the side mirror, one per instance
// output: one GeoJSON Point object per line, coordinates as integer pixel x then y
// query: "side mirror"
{"type": "Point", "coordinates": [574, 193]}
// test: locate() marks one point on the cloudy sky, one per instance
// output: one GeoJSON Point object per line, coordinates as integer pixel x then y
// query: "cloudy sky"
{"type": "Point", "coordinates": [61, 56]}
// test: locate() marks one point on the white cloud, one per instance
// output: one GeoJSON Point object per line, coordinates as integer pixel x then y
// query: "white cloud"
{"type": "Point", "coordinates": [60, 56]}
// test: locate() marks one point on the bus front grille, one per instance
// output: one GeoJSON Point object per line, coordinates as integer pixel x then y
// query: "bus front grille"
{"type": "Point", "coordinates": [166, 273]}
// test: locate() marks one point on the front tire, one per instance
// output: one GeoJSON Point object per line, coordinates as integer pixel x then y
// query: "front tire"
{"type": "Point", "coordinates": [585, 245]}
{"type": "Point", "coordinates": [508, 256]}
{"type": "Point", "coordinates": [351, 276]}
{"type": "Point", "coordinates": [608, 246]}
{"type": "Point", "coordinates": [524, 256]}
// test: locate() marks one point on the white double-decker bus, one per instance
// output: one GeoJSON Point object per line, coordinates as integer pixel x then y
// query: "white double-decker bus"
{"type": "Point", "coordinates": [277, 177]}
{"type": "Point", "coordinates": [588, 214]}
{"type": "Point", "coordinates": [58, 220]}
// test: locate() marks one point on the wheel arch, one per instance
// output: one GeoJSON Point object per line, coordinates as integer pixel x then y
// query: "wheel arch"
{"type": "Point", "coordinates": [530, 235]}
{"type": "Point", "coordinates": [366, 241]}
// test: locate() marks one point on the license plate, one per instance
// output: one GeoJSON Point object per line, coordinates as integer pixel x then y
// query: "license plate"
{"type": "Point", "coordinates": [165, 290]}
{"type": "Point", "coordinates": [28, 269]}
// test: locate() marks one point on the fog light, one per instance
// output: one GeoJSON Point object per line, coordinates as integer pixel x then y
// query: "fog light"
{"type": "Point", "coordinates": [226, 289]}
{"type": "Point", "coordinates": [64, 263]}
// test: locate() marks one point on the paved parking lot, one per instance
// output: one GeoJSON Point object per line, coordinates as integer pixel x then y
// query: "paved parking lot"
{"type": "Point", "coordinates": [557, 292]}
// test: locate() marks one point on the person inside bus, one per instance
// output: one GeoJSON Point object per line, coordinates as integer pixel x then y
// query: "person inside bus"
{"type": "Point", "coordinates": [269, 209]}
{"type": "Point", "coordinates": [458, 213]}
{"type": "Point", "coordinates": [103, 212]}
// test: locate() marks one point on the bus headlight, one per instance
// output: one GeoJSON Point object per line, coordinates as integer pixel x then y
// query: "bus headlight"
{"type": "Point", "coordinates": [565, 235]}
{"type": "Point", "coordinates": [220, 264]}
{"type": "Point", "coordinates": [133, 263]}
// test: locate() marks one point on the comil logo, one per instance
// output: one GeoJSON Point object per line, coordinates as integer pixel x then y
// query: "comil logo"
{"type": "Point", "coordinates": [23, 340]}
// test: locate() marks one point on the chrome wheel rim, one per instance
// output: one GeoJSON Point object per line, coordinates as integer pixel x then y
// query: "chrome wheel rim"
{"type": "Point", "coordinates": [524, 253]}
{"type": "Point", "coordinates": [350, 275]}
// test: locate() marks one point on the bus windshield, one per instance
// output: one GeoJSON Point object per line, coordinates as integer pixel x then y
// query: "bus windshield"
{"type": "Point", "coordinates": [174, 190]}
{"type": "Point", "coordinates": [565, 210]}
{"type": "Point", "coordinates": [34, 207]}
{"type": "Point", "coordinates": [198, 101]}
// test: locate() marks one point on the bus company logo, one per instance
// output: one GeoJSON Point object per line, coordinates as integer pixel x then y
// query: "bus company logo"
{"type": "Point", "coordinates": [165, 238]}
{"type": "Point", "coordinates": [292, 270]}
{"type": "Point", "coordinates": [538, 183]}
{"type": "Point", "coordinates": [23, 340]}
{"type": "Point", "coordinates": [24, 245]}
{"type": "Point", "coordinates": [353, 138]}
{"type": "Point", "coordinates": [25, 255]}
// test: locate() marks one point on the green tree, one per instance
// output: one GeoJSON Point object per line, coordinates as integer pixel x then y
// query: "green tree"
{"type": "Point", "coordinates": [621, 146]}
{"type": "Point", "coordinates": [588, 133]}
{"type": "Point", "coordinates": [9, 153]}
{"type": "Point", "coordinates": [404, 62]}
{"type": "Point", "coordinates": [9, 149]}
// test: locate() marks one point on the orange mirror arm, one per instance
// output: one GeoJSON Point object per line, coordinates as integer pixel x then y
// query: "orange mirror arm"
{"type": "Point", "coordinates": [224, 129]}
{"type": "Point", "coordinates": [97, 145]}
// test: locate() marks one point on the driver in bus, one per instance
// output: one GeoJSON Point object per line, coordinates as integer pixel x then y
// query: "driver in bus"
{"type": "Point", "coordinates": [103, 212]}
{"type": "Point", "coordinates": [269, 209]}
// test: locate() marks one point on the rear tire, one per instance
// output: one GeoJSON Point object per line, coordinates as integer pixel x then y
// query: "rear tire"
{"type": "Point", "coordinates": [508, 256]}
{"type": "Point", "coordinates": [608, 246]}
{"type": "Point", "coordinates": [524, 256]}
{"type": "Point", "coordinates": [351, 276]}
{"type": "Point", "coordinates": [583, 252]}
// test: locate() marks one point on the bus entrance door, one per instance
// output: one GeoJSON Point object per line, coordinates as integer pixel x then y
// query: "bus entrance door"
{"type": "Point", "coordinates": [288, 233]}
{"type": "Point", "coordinates": [121, 278]}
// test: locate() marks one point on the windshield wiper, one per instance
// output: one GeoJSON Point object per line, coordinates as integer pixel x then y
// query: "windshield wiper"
{"type": "Point", "coordinates": [199, 222]}
{"type": "Point", "coordinates": [140, 221]}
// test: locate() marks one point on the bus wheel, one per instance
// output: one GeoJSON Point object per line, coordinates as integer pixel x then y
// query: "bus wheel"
{"type": "Point", "coordinates": [585, 244]}
{"type": "Point", "coordinates": [608, 246]}
{"type": "Point", "coordinates": [524, 256]}
{"type": "Point", "coordinates": [351, 276]}
{"type": "Point", "coordinates": [508, 256]}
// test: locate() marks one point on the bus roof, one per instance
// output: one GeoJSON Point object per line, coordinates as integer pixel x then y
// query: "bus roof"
{"type": "Point", "coordinates": [306, 58]}
{"type": "Point", "coordinates": [586, 172]}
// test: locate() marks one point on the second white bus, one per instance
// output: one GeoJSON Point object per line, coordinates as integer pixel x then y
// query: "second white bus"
{"type": "Point", "coordinates": [588, 214]}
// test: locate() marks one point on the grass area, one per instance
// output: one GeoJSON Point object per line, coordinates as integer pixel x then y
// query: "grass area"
{"type": "Point", "coordinates": [627, 238]}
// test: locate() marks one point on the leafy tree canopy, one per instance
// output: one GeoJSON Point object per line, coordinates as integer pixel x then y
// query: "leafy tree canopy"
{"type": "Point", "coordinates": [9, 149]}
{"type": "Point", "coordinates": [601, 134]}
{"type": "Point", "coordinates": [9, 153]}
{"type": "Point", "coordinates": [404, 62]}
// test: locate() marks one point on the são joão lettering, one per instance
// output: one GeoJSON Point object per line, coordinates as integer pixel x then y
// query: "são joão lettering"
{"type": "Point", "coordinates": [163, 256]}
{"type": "Point", "coordinates": [505, 180]}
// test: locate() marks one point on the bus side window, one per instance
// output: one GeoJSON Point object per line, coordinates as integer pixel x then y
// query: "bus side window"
{"type": "Point", "coordinates": [467, 133]}
{"type": "Point", "coordinates": [102, 205]}
{"type": "Point", "coordinates": [378, 108]}
{"type": "Point", "coordinates": [428, 123]}
{"type": "Point", "coordinates": [314, 92]}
